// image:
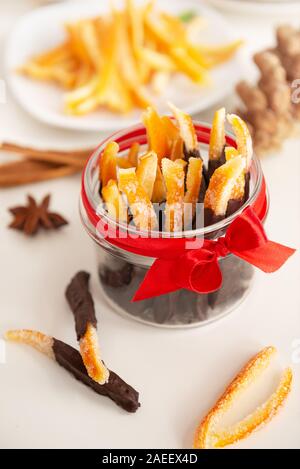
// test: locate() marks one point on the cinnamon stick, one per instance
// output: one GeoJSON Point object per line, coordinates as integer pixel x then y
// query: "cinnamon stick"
{"type": "Point", "coordinates": [74, 158]}
{"type": "Point", "coordinates": [28, 171]}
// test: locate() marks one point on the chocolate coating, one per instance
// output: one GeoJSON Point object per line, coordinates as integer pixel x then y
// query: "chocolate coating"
{"type": "Point", "coordinates": [195, 153]}
{"type": "Point", "coordinates": [210, 217]}
{"type": "Point", "coordinates": [233, 206]}
{"type": "Point", "coordinates": [116, 389]}
{"type": "Point", "coordinates": [203, 186]}
{"type": "Point", "coordinates": [215, 164]}
{"type": "Point", "coordinates": [81, 302]}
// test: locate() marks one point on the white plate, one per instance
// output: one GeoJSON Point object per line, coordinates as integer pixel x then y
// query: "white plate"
{"type": "Point", "coordinates": [271, 8]}
{"type": "Point", "coordinates": [43, 29]}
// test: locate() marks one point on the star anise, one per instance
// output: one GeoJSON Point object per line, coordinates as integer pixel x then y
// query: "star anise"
{"type": "Point", "coordinates": [31, 217]}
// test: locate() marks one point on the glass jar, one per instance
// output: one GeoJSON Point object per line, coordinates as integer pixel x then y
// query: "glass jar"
{"type": "Point", "coordinates": [121, 272]}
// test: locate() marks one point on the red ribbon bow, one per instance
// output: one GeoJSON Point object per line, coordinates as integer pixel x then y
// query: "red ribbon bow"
{"type": "Point", "coordinates": [198, 269]}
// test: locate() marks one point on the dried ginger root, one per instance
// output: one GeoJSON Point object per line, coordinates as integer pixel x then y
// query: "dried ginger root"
{"type": "Point", "coordinates": [288, 50]}
{"type": "Point", "coordinates": [273, 82]}
{"type": "Point", "coordinates": [253, 98]}
{"type": "Point", "coordinates": [268, 108]}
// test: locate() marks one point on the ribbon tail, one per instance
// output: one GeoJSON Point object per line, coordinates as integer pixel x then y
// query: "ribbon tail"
{"type": "Point", "coordinates": [158, 280]}
{"type": "Point", "coordinates": [269, 257]}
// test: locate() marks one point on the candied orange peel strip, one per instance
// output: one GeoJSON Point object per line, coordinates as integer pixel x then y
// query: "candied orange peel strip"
{"type": "Point", "coordinates": [114, 202]}
{"type": "Point", "coordinates": [193, 184]}
{"type": "Point", "coordinates": [146, 172]}
{"type": "Point", "coordinates": [231, 152]}
{"type": "Point", "coordinates": [175, 142]}
{"type": "Point", "coordinates": [217, 135]}
{"type": "Point", "coordinates": [174, 176]}
{"type": "Point", "coordinates": [70, 359]}
{"type": "Point", "coordinates": [221, 50]}
{"type": "Point", "coordinates": [55, 55]}
{"type": "Point", "coordinates": [123, 162]}
{"type": "Point", "coordinates": [88, 349]}
{"type": "Point", "coordinates": [238, 190]}
{"type": "Point", "coordinates": [193, 180]}
{"type": "Point", "coordinates": [90, 353]}
{"type": "Point", "coordinates": [172, 133]}
{"type": "Point", "coordinates": [260, 416]}
{"type": "Point", "coordinates": [140, 205]}
{"type": "Point", "coordinates": [243, 138]}
{"type": "Point", "coordinates": [133, 154]}
{"type": "Point", "coordinates": [41, 342]}
{"type": "Point", "coordinates": [190, 64]}
{"type": "Point", "coordinates": [176, 47]}
{"type": "Point", "coordinates": [55, 73]}
{"type": "Point", "coordinates": [206, 435]}
{"type": "Point", "coordinates": [186, 126]}
{"type": "Point", "coordinates": [159, 189]}
{"type": "Point", "coordinates": [171, 128]}
{"type": "Point", "coordinates": [215, 55]}
{"type": "Point", "coordinates": [222, 184]}
{"type": "Point", "coordinates": [157, 138]}
{"type": "Point", "coordinates": [108, 163]}
{"type": "Point", "coordinates": [177, 149]}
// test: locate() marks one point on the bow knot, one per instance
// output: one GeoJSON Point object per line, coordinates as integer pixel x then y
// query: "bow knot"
{"type": "Point", "coordinates": [221, 248]}
{"type": "Point", "coordinates": [198, 269]}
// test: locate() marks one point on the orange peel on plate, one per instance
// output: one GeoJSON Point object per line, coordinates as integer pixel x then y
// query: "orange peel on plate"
{"type": "Point", "coordinates": [215, 55]}
{"type": "Point", "coordinates": [207, 436]}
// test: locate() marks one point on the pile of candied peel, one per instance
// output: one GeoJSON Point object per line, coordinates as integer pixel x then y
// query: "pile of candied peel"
{"type": "Point", "coordinates": [172, 175]}
{"type": "Point", "coordinates": [121, 60]}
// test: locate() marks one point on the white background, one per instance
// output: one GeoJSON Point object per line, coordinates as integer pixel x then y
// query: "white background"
{"type": "Point", "coordinates": [179, 374]}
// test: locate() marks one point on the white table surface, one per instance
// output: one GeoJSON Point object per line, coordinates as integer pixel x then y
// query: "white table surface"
{"type": "Point", "coordinates": [179, 374]}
